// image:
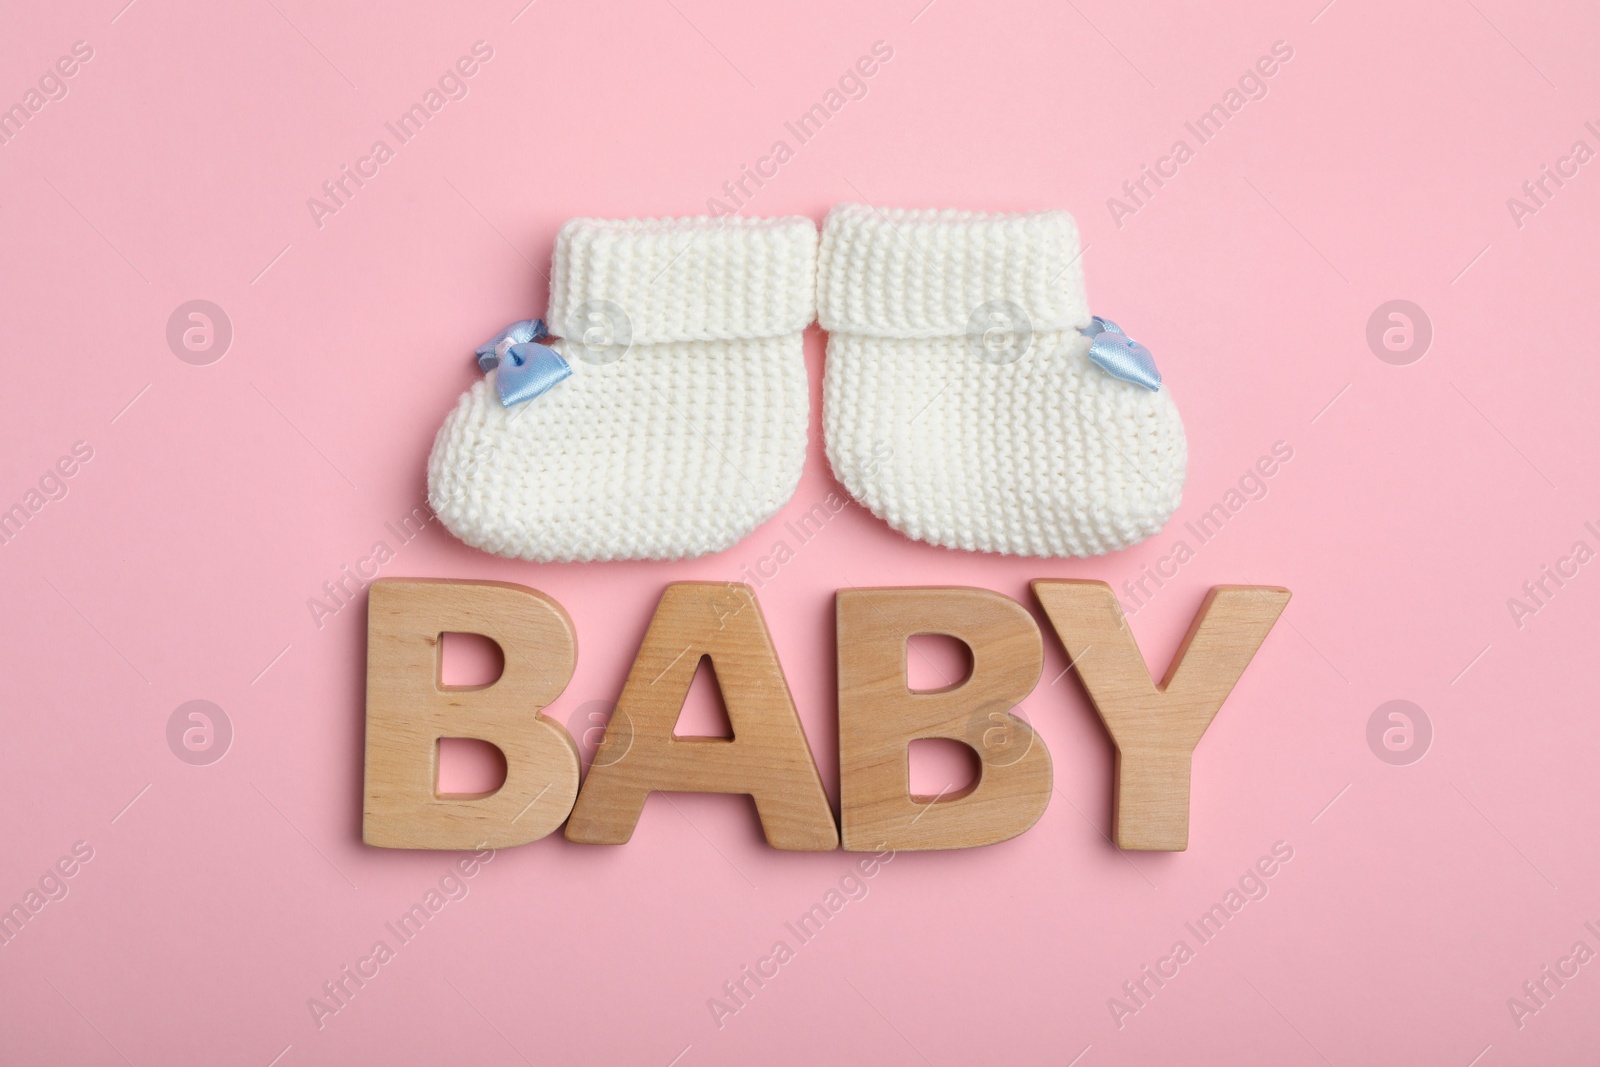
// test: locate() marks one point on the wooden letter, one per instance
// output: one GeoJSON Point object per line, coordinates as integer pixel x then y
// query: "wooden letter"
{"type": "Point", "coordinates": [1156, 728]}
{"type": "Point", "coordinates": [879, 717]}
{"type": "Point", "coordinates": [768, 757]}
{"type": "Point", "coordinates": [408, 711]}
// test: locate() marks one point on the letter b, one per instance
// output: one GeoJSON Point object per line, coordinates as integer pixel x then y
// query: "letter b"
{"type": "Point", "coordinates": [879, 717]}
{"type": "Point", "coordinates": [408, 711]}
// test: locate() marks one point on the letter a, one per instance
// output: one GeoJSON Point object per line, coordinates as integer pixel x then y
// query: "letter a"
{"type": "Point", "coordinates": [768, 756]}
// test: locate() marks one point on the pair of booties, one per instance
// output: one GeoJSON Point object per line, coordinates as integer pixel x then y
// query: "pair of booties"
{"type": "Point", "coordinates": [970, 400]}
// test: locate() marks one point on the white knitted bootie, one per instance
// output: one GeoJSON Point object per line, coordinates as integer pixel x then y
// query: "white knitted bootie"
{"type": "Point", "coordinates": [676, 422]}
{"type": "Point", "coordinates": [967, 400]}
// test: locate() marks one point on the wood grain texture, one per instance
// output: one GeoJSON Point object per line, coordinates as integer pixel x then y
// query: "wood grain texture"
{"type": "Point", "coordinates": [408, 711]}
{"type": "Point", "coordinates": [1156, 727]}
{"type": "Point", "coordinates": [879, 717]}
{"type": "Point", "coordinates": [768, 757]}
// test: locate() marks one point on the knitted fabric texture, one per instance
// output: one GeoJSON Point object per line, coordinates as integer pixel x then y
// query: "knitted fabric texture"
{"type": "Point", "coordinates": [959, 403]}
{"type": "Point", "coordinates": [683, 426]}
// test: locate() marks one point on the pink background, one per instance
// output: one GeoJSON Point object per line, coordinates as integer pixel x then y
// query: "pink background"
{"type": "Point", "coordinates": [219, 498]}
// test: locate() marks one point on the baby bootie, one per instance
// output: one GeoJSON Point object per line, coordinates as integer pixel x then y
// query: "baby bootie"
{"type": "Point", "coordinates": [667, 418]}
{"type": "Point", "coordinates": [970, 399]}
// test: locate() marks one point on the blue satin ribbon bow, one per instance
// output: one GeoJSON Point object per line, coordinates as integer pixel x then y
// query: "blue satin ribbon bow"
{"type": "Point", "coordinates": [1120, 355]}
{"type": "Point", "coordinates": [526, 368]}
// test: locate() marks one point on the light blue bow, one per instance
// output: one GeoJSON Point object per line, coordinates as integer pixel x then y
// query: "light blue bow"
{"type": "Point", "coordinates": [1120, 355]}
{"type": "Point", "coordinates": [525, 368]}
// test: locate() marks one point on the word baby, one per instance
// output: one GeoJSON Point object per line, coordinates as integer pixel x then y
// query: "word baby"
{"type": "Point", "coordinates": [1155, 727]}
